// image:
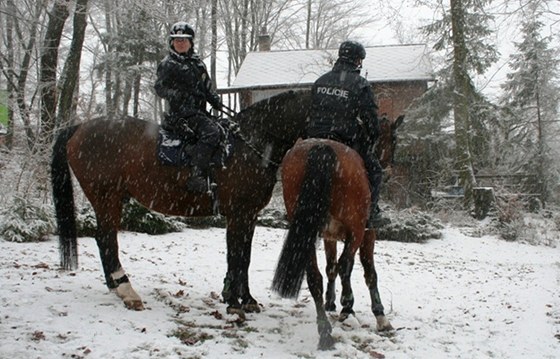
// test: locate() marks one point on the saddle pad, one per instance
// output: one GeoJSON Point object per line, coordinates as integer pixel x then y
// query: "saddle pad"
{"type": "Point", "coordinates": [174, 150]}
{"type": "Point", "coordinates": [170, 149]}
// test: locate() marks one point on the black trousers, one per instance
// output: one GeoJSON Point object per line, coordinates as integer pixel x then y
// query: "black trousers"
{"type": "Point", "coordinates": [205, 131]}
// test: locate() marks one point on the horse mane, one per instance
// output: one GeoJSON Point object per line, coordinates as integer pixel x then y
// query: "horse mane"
{"type": "Point", "coordinates": [252, 115]}
{"type": "Point", "coordinates": [280, 114]}
{"type": "Point", "coordinates": [273, 103]}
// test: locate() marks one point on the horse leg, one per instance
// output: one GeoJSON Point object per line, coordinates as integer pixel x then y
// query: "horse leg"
{"type": "Point", "coordinates": [370, 275]}
{"type": "Point", "coordinates": [346, 264]}
{"type": "Point", "coordinates": [108, 216]}
{"type": "Point", "coordinates": [240, 230]}
{"type": "Point", "coordinates": [332, 274]}
{"type": "Point", "coordinates": [315, 284]}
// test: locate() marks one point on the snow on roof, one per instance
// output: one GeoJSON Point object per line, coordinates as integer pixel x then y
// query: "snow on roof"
{"type": "Point", "coordinates": [303, 67]}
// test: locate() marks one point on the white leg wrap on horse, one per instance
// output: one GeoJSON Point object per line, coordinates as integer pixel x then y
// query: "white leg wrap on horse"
{"type": "Point", "coordinates": [118, 274]}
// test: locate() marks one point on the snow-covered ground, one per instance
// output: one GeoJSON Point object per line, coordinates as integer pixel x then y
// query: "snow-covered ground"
{"type": "Point", "coordinates": [457, 297]}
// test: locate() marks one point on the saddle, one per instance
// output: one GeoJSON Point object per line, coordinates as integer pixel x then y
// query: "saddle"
{"type": "Point", "coordinates": [176, 150]}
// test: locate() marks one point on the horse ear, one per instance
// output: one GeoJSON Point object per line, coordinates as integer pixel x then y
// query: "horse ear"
{"type": "Point", "coordinates": [398, 122]}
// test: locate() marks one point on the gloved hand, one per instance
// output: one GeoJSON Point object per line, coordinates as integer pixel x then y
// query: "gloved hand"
{"type": "Point", "coordinates": [216, 102]}
{"type": "Point", "coordinates": [184, 130]}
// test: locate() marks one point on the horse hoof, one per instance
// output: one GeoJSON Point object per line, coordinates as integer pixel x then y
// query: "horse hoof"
{"type": "Point", "coordinates": [237, 311]}
{"type": "Point", "coordinates": [330, 307]}
{"type": "Point", "coordinates": [134, 304]}
{"type": "Point", "coordinates": [383, 324]}
{"type": "Point", "coordinates": [251, 308]}
{"type": "Point", "coordinates": [344, 314]}
{"type": "Point", "coordinates": [326, 342]}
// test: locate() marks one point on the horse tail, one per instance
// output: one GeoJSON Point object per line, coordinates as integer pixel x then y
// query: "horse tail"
{"type": "Point", "coordinates": [310, 217]}
{"type": "Point", "coordinates": [63, 196]}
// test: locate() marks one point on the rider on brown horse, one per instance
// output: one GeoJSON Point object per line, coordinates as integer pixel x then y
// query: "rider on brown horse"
{"type": "Point", "coordinates": [343, 109]}
{"type": "Point", "coordinates": [183, 81]}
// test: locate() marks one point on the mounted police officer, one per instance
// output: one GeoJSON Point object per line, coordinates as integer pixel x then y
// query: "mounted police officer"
{"type": "Point", "coordinates": [343, 109]}
{"type": "Point", "coordinates": [182, 80]}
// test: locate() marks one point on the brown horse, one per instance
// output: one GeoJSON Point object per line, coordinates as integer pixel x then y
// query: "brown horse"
{"type": "Point", "coordinates": [326, 191]}
{"type": "Point", "coordinates": [116, 160]}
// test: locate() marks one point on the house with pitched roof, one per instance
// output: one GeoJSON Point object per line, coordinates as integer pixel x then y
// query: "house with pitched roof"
{"type": "Point", "coordinates": [398, 74]}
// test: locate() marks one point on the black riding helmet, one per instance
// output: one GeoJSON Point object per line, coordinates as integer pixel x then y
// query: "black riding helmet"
{"type": "Point", "coordinates": [351, 50]}
{"type": "Point", "coordinates": [181, 29]}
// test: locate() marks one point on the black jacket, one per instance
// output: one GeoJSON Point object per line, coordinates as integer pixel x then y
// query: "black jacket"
{"type": "Point", "coordinates": [340, 98]}
{"type": "Point", "coordinates": [185, 83]}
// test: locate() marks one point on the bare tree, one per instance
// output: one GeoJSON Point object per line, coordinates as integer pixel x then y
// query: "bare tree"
{"type": "Point", "coordinates": [23, 22]}
{"type": "Point", "coordinates": [7, 66]}
{"type": "Point", "coordinates": [49, 61]}
{"type": "Point", "coordinates": [214, 41]}
{"type": "Point", "coordinates": [70, 72]}
{"type": "Point", "coordinates": [329, 22]}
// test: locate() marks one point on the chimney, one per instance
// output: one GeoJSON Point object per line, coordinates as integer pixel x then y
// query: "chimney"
{"type": "Point", "coordinates": [264, 40]}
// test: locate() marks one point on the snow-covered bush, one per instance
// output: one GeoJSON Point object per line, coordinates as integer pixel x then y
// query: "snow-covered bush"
{"type": "Point", "coordinates": [23, 220]}
{"type": "Point", "coordinates": [509, 218]}
{"type": "Point", "coordinates": [135, 218]}
{"type": "Point", "coordinates": [410, 225]}
{"type": "Point", "coordinates": [275, 218]}
{"type": "Point", "coordinates": [85, 221]}
{"type": "Point", "coordinates": [25, 210]}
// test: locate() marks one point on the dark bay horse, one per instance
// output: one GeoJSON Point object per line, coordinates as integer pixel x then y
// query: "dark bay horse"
{"type": "Point", "coordinates": [326, 192]}
{"type": "Point", "coordinates": [116, 160]}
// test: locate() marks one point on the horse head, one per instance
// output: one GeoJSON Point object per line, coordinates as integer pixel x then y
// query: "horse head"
{"type": "Point", "coordinates": [387, 141]}
{"type": "Point", "coordinates": [273, 125]}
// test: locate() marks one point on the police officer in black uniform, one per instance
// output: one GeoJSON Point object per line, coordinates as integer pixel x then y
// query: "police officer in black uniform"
{"type": "Point", "coordinates": [343, 109]}
{"type": "Point", "coordinates": [182, 79]}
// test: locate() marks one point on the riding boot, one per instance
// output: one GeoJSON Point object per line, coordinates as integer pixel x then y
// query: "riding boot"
{"type": "Point", "coordinates": [375, 219]}
{"type": "Point", "coordinates": [199, 180]}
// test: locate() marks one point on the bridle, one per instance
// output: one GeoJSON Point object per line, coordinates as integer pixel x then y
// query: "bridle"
{"type": "Point", "coordinates": [265, 153]}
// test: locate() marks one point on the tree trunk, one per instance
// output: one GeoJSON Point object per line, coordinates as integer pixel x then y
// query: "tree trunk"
{"type": "Point", "coordinates": [244, 31]}
{"type": "Point", "coordinates": [48, 67]}
{"type": "Point", "coordinates": [214, 40]}
{"type": "Point", "coordinates": [28, 59]}
{"type": "Point", "coordinates": [461, 103]}
{"type": "Point", "coordinates": [126, 96]}
{"type": "Point", "coordinates": [541, 157]}
{"type": "Point", "coordinates": [70, 73]}
{"type": "Point", "coordinates": [109, 108]}
{"type": "Point", "coordinates": [136, 92]}
{"type": "Point", "coordinates": [10, 78]}
{"type": "Point", "coordinates": [308, 24]}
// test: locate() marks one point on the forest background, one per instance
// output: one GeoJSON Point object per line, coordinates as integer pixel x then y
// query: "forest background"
{"type": "Point", "coordinates": [493, 109]}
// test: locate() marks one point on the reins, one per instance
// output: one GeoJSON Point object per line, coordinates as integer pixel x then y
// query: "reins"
{"type": "Point", "coordinates": [236, 131]}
